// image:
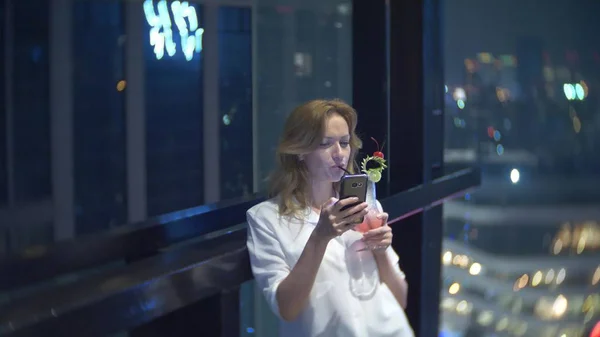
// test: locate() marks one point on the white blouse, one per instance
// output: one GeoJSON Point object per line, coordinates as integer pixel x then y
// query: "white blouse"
{"type": "Point", "coordinates": [347, 298]}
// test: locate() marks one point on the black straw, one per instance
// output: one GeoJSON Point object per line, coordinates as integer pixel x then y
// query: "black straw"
{"type": "Point", "coordinates": [343, 169]}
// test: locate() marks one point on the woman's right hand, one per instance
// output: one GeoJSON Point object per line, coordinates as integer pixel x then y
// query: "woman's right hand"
{"type": "Point", "coordinates": [334, 221]}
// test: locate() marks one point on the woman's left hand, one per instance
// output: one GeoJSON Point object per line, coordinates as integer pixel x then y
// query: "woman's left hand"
{"type": "Point", "coordinates": [378, 239]}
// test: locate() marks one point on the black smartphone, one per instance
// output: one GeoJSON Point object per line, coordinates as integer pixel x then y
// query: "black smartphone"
{"type": "Point", "coordinates": [354, 185]}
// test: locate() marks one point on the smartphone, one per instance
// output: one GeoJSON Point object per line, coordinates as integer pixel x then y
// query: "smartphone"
{"type": "Point", "coordinates": [354, 185]}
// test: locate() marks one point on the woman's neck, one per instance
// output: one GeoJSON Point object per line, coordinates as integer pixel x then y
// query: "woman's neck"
{"type": "Point", "coordinates": [320, 193]}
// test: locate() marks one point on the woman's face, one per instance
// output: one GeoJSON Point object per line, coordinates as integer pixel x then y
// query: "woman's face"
{"type": "Point", "coordinates": [333, 151]}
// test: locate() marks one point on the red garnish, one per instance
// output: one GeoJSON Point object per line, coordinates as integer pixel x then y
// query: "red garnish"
{"type": "Point", "coordinates": [378, 153]}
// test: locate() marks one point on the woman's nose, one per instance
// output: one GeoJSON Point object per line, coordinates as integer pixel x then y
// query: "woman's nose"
{"type": "Point", "coordinates": [336, 151]}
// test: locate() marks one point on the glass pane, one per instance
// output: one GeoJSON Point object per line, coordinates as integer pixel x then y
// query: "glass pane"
{"type": "Point", "coordinates": [25, 182]}
{"type": "Point", "coordinates": [3, 109]}
{"type": "Point", "coordinates": [30, 114]}
{"type": "Point", "coordinates": [117, 113]}
{"type": "Point", "coordinates": [99, 82]}
{"type": "Point", "coordinates": [174, 105]}
{"type": "Point", "coordinates": [521, 253]}
{"type": "Point", "coordinates": [300, 52]}
{"type": "Point", "coordinates": [235, 101]}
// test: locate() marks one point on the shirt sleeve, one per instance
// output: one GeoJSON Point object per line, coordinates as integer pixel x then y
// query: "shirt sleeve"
{"type": "Point", "coordinates": [392, 255]}
{"type": "Point", "coordinates": [395, 261]}
{"type": "Point", "coordinates": [266, 257]}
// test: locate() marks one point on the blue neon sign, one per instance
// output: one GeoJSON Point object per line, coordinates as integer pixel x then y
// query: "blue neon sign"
{"type": "Point", "coordinates": [161, 31]}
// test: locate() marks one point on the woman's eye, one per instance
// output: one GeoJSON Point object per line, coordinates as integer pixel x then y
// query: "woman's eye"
{"type": "Point", "coordinates": [328, 144]}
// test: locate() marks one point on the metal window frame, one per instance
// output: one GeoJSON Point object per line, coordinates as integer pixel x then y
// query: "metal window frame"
{"type": "Point", "coordinates": [206, 273]}
{"type": "Point", "coordinates": [397, 91]}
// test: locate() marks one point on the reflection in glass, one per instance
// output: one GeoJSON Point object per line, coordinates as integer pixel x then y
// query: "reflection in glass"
{"type": "Point", "coordinates": [235, 101]}
{"type": "Point", "coordinates": [184, 23]}
{"type": "Point", "coordinates": [25, 178]}
{"type": "Point", "coordinates": [174, 122]}
{"type": "Point", "coordinates": [99, 89]}
{"type": "Point", "coordinates": [300, 52]}
{"type": "Point", "coordinates": [30, 101]}
{"type": "Point", "coordinates": [3, 110]}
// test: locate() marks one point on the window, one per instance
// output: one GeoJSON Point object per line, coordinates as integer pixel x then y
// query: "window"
{"type": "Point", "coordinates": [3, 115]}
{"type": "Point", "coordinates": [235, 101]}
{"type": "Point", "coordinates": [30, 123]}
{"type": "Point", "coordinates": [174, 109]}
{"type": "Point", "coordinates": [521, 253]}
{"type": "Point", "coordinates": [99, 89]}
{"type": "Point", "coordinates": [299, 53]}
{"type": "Point", "coordinates": [25, 178]}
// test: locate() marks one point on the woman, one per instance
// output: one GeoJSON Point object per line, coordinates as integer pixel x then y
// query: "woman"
{"type": "Point", "coordinates": [298, 240]}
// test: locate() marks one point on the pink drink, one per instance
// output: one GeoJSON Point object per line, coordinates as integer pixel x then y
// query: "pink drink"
{"type": "Point", "coordinates": [370, 222]}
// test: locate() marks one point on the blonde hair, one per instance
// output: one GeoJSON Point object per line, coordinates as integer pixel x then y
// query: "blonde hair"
{"type": "Point", "coordinates": [302, 134]}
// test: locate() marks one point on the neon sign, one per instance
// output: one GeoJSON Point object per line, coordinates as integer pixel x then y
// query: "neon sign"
{"type": "Point", "coordinates": [161, 33]}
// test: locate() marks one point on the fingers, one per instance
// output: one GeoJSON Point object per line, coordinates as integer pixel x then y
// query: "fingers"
{"type": "Point", "coordinates": [384, 217]}
{"type": "Point", "coordinates": [349, 222]}
{"type": "Point", "coordinates": [387, 240]}
{"type": "Point", "coordinates": [378, 239]}
{"type": "Point", "coordinates": [377, 232]}
{"type": "Point", "coordinates": [378, 245]}
{"type": "Point", "coordinates": [351, 215]}
{"type": "Point", "coordinates": [329, 202]}
{"type": "Point", "coordinates": [355, 212]}
{"type": "Point", "coordinates": [345, 202]}
{"type": "Point", "coordinates": [342, 227]}
{"type": "Point", "coordinates": [378, 248]}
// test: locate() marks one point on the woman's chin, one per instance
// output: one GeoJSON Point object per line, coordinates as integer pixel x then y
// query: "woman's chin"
{"type": "Point", "coordinates": [330, 176]}
{"type": "Point", "coordinates": [337, 177]}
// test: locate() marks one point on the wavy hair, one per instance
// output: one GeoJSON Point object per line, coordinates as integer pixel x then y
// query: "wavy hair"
{"type": "Point", "coordinates": [302, 134]}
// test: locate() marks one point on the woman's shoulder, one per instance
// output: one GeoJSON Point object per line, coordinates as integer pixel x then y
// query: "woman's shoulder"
{"type": "Point", "coordinates": [264, 210]}
{"type": "Point", "coordinates": [268, 211]}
